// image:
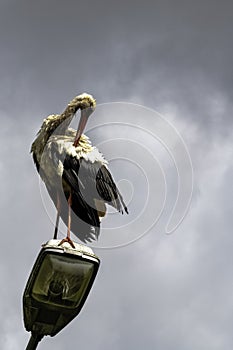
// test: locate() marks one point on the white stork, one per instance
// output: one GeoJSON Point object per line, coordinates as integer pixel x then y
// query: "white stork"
{"type": "Point", "coordinates": [75, 173]}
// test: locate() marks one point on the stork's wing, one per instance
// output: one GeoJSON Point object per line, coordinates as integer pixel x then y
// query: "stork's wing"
{"type": "Point", "coordinates": [108, 190]}
{"type": "Point", "coordinates": [93, 182]}
{"type": "Point", "coordinates": [82, 208]}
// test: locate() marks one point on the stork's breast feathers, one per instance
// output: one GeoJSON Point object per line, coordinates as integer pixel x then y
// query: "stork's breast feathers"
{"type": "Point", "coordinates": [63, 145]}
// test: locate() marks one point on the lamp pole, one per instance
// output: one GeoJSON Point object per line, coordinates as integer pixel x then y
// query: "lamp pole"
{"type": "Point", "coordinates": [34, 341]}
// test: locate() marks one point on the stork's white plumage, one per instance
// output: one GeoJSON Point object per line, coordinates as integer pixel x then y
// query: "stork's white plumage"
{"type": "Point", "coordinates": [75, 173]}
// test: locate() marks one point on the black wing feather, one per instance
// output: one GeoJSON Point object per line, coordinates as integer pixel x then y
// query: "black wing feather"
{"type": "Point", "coordinates": [87, 182]}
{"type": "Point", "coordinates": [108, 190]}
{"type": "Point", "coordinates": [90, 181]}
{"type": "Point", "coordinates": [82, 207]}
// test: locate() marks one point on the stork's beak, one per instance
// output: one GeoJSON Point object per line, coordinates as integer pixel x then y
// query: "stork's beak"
{"type": "Point", "coordinates": [85, 113]}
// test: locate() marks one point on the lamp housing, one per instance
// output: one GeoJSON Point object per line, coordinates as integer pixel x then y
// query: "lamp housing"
{"type": "Point", "coordinates": [58, 286]}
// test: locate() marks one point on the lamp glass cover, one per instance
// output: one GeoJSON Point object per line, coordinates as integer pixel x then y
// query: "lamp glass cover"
{"type": "Point", "coordinates": [62, 280]}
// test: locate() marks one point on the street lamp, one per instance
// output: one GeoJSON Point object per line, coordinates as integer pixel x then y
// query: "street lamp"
{"type": "Point", "coordinates": [57, 288]}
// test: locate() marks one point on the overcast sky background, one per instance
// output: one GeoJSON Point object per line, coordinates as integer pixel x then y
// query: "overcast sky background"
{"type": "Point", "coordinates": [166, 292]}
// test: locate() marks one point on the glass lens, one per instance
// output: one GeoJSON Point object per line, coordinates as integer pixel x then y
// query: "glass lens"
{"type": "Point", "coordinates": [62, 280]}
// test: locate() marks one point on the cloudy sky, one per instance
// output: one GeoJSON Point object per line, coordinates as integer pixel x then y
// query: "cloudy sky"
{"type": "Point", "coordinates": [166, 292]}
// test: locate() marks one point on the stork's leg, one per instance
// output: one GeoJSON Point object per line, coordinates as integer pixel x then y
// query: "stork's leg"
{"type": "Point", "coordinates": [58, 206]}
{"type": "Point", "coordinates": [68, 239]}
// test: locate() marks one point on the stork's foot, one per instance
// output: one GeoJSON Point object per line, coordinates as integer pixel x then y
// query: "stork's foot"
{"type": "Point", "coordinates": [68, 240]}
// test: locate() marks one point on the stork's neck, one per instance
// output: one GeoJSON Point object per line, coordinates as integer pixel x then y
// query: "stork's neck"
{"type": "Point", "coordinates": [53, 125]}
{"type": "Point", "coordinates": [59, 123]}
{"type": "Point", "coordinates": [71, 109]}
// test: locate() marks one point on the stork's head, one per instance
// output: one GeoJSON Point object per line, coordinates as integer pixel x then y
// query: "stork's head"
{"type": "Point", "coordinates": [87, 105]}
